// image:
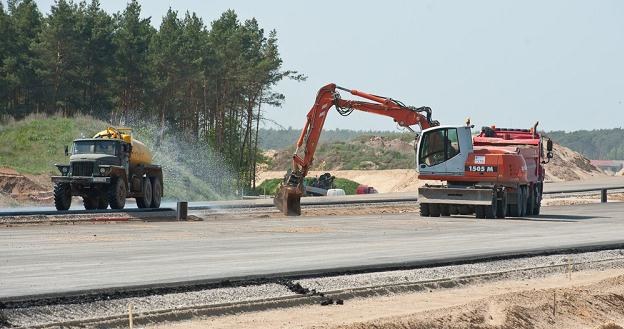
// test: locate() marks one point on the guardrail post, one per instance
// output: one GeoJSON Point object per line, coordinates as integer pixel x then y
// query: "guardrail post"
{"type": "Point", "coordinates": [603, 195]}
{"type": "Point", "coordinates": [182, 210]}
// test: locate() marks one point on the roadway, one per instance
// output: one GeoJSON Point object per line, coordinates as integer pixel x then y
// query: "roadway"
{"type": "Point", "coordinates": [46, 259]}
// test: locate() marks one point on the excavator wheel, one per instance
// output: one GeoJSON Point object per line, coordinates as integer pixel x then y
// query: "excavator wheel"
{"type": "Point", "coordinates": [480, 211]}
{"type": "Point", "coordinates": [444, 210]}
{"type": "Point", "coordinates": [424, 210]}
{"type": "Point", "coordinates": [434, 210]}
{"type": "Point", "coordinates": [501, 207]}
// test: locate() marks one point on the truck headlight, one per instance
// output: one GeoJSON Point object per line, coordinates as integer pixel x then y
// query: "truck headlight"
{"type": "Point", "coordinates": [103, 170]}
{"type": "Point", "coordinates": [65, 171]}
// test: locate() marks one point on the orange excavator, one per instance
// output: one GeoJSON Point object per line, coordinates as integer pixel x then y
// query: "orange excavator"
{"type": "Point", "coordinates": [289, 194]}
{"type": "Point", "coordinates": [496, 173]}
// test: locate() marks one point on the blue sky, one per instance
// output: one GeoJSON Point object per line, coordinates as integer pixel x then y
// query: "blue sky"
{"type": "Point", "coordinates": [507, 63]}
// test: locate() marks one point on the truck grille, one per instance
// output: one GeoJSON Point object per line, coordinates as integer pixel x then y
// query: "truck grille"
{"type": "Point", "coordinates": [82, 169]}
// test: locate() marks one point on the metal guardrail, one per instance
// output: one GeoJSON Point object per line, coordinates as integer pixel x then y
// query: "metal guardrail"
{"type": "Point", "coordinates": [603, 191]}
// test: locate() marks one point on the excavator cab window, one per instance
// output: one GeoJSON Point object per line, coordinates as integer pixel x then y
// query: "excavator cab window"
{"type": "Point", "coordinates": [438, 146]}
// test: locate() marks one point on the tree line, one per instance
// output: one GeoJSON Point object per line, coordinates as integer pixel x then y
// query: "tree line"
{"type": "Point", "coordinates": [207, 84]}
{"type": "Point", "coordinates": [600, 144]}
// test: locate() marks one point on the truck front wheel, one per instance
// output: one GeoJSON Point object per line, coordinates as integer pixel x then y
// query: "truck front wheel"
{"type": "Point", "coordinates": [117, 194]}
{"type": "Point", "coordinates": [62, 196]}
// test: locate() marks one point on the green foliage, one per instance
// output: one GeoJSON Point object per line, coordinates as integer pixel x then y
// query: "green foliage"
{"type": "Point", "coordinates": [601, 144]}
{"type": "Point", "coordinates": [270, 186]}
{"type": "Point", "coordinates": [276, 139]}
{"type": "Point", "coordinates": [35, 144]}
{"type": "Point", "coordinates": [202, 84]}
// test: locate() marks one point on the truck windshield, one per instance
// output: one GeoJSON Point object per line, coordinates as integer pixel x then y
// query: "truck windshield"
{"type": "Point", "coordinates": [97, 147]}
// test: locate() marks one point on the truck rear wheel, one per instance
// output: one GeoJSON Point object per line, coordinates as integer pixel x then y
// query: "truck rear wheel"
{"type": "Point", "coordinates": [530, 201]}
{"type": "Point", "coordinates": [146, 200]}
{"type": "Point", "coordinates": [480, 211]}
{"type": "Point", "coordinates": [62, 196]}
{"type": "Point", "coordinates": [424, 210]}
{"type": "Point", "coordinates": [117, 194]}
{"type": "Point", "coordinates": [90, 202]}
{"type": "Point", "coordinates": [538, 201]}
{"type": "Point", "coordinates": [156, 192]}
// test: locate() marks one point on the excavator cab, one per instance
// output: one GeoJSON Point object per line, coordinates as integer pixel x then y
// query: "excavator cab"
{"type": "Point", "coordinates": [443, 150]}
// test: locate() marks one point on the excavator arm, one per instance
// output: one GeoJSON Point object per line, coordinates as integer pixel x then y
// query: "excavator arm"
{"type": "Point", "coordinates": [291, 190]}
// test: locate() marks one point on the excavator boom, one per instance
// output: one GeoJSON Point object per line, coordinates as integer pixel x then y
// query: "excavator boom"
{"type": "Point", "coordinates": [291, 190]}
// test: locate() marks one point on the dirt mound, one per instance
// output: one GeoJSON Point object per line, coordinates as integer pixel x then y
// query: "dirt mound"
{"type": "Point", "coordinates": [567, 165]}
{"type": "Point", "coordinates": [392, 144]}
{"type": "Point", "coordinates": [593, 306]}
{"type": "Point", "coordinates": [18, 188]}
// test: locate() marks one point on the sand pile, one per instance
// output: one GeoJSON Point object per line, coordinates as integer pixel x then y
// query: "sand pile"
{"type": "Point", "coordinates": [18, 188]}
{"type": "Point", "coordinates": [567, 165]}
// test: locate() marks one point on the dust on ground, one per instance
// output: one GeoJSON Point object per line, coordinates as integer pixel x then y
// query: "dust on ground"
{"type": "Point", "coordinates": [587, 299]}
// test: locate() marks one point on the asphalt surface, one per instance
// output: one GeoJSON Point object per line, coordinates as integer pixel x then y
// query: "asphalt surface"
{"type": "Point", "coordinates": [46, 259]}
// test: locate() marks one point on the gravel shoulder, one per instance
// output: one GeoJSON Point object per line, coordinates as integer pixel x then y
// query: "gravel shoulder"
{"type": "Point", "coordinates": [587, 299]}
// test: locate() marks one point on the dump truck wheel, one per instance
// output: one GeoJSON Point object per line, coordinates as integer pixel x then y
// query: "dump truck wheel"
{"type": "Point", "coordinates": [434, 210]}
{"type": "Point", "coordinates": [146, 200]}
{"type": "Point", "coordinates": [523, 201]}
{"type": "Point", "coordinates": [538, 202]}
{"type": "Point", "coordinates": [90, 202]}
{"type": "Point", "coordinates": [424, 210]}
{"type": "Point", "coordinates": [117, 194]}
{"type": "Point", "coordinates": [530, 201]}
{"type": "Point", "coordinates": [515, 210]}
{"type": "Point", "coordinates": [444, 210]}
{"type": "Point", "coordinates": [102, 201]}
{"type": "Point", "coordinates": [62, 196]}
{"type": "Point", "coordinates": [156, 192]}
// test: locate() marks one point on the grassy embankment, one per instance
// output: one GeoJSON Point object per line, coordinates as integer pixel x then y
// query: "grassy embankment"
{"type": "Point", "coordinates": [35, 144]}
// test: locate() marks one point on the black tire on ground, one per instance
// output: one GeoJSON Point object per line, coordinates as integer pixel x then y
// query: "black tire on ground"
{"type": "Point", "coordinates": [490, 211]}
{"type": "Point", "coordinates": [480, 211]}
{"type": "Point", "coordinates": [434, 210]}
{"type": "Point", "coordinates": [156, 192]}
{"type": "Point", "coordinates": [453, 209]}
{"type": "Point", "coordinates": [523, 201]}
{"type": "Point", "coordinates": [501, 207]}
{"type": "Point", "coordinates": [530, 203]}
{"type": "Point", "coordinates": [90, 202]}
{"type": "Point", "coordinates": [102, 201]}
{"type": "Point", "coordinates": [515, 209]}
{"type": "Point", "coordinates": [146, 200]}
{"type": "Point", "coordinates": [424, 210]}
{"type": "Point", "coordinates": [117, 194]}
{"type": "Point", "coordinates": [538, 201]}
{"type": "Point", "coordinates": [444, 210]}
{"type": "Point", "coordinates": [62, 196]}
{"type": "Point", "coordinates": [465, 210]}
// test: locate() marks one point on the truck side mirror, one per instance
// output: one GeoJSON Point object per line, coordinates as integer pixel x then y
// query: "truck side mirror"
{"type": "Point", "coordinates": [549, 145]}
{"type": "Point", "coordinates": [66, 150]}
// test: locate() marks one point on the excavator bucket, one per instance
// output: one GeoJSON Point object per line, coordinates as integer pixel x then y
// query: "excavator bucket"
{"type": "Point", "coordinates": [288, 200]}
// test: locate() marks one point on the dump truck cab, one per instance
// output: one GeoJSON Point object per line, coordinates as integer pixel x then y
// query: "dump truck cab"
{"type": "Point", "coordinates": [107, 169]}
